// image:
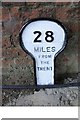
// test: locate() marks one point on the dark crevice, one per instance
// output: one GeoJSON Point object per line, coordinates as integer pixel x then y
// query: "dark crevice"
{"type": "Point", "coordinates": [11, 41]}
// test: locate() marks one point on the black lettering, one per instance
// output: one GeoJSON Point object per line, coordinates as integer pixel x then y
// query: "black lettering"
{"type": "Point", "coordinates": [43, 50]}
{"type": "Point", "coordinates": [44, 68]}
{"type": "Point", "coordinates": [36, 49]}
{"type": "Point", "coordinates": [49, 56]}
{"type": "Point", "coordinates": [48, 49]}
{"type": "Point", "coordinates": [53, 49]}
{"type": "Point", "coordinates": [39, 34]}
{"type": "Point", "coordinates": [49, 36]}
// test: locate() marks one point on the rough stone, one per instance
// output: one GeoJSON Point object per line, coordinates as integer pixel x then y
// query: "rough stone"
{"type": "Point", "coordinates": [62, 97]}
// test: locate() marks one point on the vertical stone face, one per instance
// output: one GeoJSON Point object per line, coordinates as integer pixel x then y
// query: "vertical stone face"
{"type": "Point", "coordinates": [17, 65]}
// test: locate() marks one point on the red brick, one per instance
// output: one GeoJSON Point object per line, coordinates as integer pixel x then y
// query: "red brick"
{"type": "Point", "coordinates": [6, 42]}
{"type": "Point", "coordinates": [0, 53]}
{"type": "Point", "coordinates": [14, 12]}
{"type": "Point", "coordinates": [13, 52]}
{"type": "Point", "coordinates": [5, 14]}
{"type": "Point", "coordinates": [60, 3]}
{"type": "Point", "coordinates": [9, 53]}
{"type": "Point", "coordinates": [6, 63]}
{"type": "Point", "coordinates": [62, 14]}
{"type": "Point", "coordinates": [20, 61]}
{"type": "Point", "coordinates": [11, 4]}
{"type": "Point", "coordinates": [74, 16]}
{"type": "Point", "coordinates": [0, 14]}
{"type": "Point", "coordinates": [34, 14]}
{"type": "Point", "coordinates": [0, 42]}
{"type": "Point", "coordinates": [74, 27]}
{"type": "Point", "coordinates": [17, 28]}
{"type": "Point", "coordinates": [48, 12]}
{"type": "Point", "coordinates": [26, 61]}
{"type": "Point", "coordinates": [43, 12]}
{"type": "Point", "coordinates": [66, 14]}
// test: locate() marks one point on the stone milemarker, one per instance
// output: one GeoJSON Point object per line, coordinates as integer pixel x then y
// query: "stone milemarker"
{"type": "Point", "coordinates": [43, 39]}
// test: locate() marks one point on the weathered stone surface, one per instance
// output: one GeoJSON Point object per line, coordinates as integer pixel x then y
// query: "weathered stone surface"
{"type": "Point", "coordinates": [49, 97]}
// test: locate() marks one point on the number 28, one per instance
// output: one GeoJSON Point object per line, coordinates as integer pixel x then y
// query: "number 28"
{"type": "Point", "coordinates": [49, 36]}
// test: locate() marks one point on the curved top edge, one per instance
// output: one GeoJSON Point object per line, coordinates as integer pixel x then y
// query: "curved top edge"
{"type": "Point", "coordinates": [44, 19]}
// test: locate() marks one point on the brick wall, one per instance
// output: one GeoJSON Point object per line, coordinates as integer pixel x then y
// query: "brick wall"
{"type": "Point", "coordinates": [17, 65]}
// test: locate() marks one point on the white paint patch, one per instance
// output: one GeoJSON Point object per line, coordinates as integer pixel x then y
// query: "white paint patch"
{"type": "Point", "coordinates": [43, 39]}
